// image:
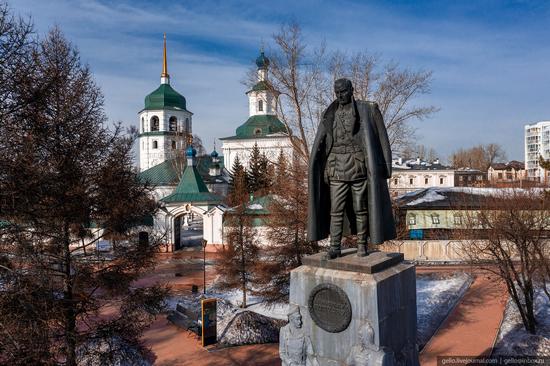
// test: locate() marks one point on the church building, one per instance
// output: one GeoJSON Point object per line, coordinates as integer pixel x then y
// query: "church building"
{"type": "Point", "coordinates": [165, 123]}
{"type": "Point", "coordinates": [263, 127]}
{"type": "Point", "coordinates": [187, 186]}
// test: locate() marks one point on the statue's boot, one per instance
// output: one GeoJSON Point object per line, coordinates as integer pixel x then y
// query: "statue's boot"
{"type": "Point", "coordinates": [334, 251]}
{"type": "Point", "coordinates": [362, 230]}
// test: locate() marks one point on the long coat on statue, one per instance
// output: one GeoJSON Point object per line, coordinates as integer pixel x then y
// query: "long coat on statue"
{"type": "Point", "coordinates": [370, 133]}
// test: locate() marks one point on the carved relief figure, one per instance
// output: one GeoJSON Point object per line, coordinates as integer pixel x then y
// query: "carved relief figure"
{"type": "Point", "coordinates": [295, 348]}
{"type": "Point", "coordinates": [366, 353]}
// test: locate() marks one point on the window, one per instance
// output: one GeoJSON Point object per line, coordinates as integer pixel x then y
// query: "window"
{"type": "Point", "coordinates": [435, 219]}
{"type": "Point", "coordinates": [142, 124]}
{"type": "Point", "coordinates": [260, 105]}
{"type": "Point", "coordinates": [411, 181]}
{"type": "Point", "coordinates": [499, 175]}
{"type": "Point", "coordinates": [173, 144]}
{"type": "Point", "coordinates": [395, 181]}
{"type": "Point", "coordinates": [187, 125]}
{"type": "Point", "coordinates": [154, 123]}
{"type": "Point", "coordinates": [426, 180]}
{"type": "Point", "coordinates": [155, 144]}
{"type": "Point", "coordinates": [441, 180]}
{"type": "Point", "coordinates": [458, 220]}
{"type": "Point", "coordinates": [173, 124]}
{"type": "Point", "coordinates": [258, 131]}
{"type": "Point", "coordinates": [412, 220]}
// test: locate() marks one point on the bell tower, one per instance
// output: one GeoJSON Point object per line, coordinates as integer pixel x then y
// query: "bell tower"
{"type": "Point", "coordinates": [164, 122]}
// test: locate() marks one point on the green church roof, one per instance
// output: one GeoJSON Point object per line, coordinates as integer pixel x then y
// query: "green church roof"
{"type": "Point", "coordinates": [165, 97]}
{"type": "Point", "coordinates": [163, 174]}
{"type": "Point", "coordinates": [191, 188]}
{"type": "Point", "coordinates": [260, 86]}
{"type": "Point", "coordinates": [166, 173]}
{"type": "Point", "coordinates": [259, 126]}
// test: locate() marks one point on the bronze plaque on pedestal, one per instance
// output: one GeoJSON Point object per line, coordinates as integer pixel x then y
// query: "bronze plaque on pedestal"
{"type": "Point", "coordinates": [329, 307]}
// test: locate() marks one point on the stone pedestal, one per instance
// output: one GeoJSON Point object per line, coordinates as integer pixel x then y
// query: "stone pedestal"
{"type": "Point", "coordinates": [337, 297]}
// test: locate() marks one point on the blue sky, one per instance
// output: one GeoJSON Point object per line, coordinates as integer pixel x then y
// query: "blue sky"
{"type": "Point", "coordinates": [490, 59]}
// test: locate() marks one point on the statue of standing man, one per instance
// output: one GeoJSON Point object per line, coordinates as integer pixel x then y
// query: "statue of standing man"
{"type": "Point", "coordinates": [349, 164]}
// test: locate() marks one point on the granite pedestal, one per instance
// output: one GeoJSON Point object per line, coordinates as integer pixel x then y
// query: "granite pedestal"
{"type": "Point", "coordinates": [337, 297]}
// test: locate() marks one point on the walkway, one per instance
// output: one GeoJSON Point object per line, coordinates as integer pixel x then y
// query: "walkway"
{"type": "Point", "coordinates": [472, 326]}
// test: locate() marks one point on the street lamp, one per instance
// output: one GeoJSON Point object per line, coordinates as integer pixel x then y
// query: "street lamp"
{"type": "Point", "coordinates": [204, 264]}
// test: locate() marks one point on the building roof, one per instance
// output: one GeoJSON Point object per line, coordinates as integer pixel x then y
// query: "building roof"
{"type": "Point", "coordinates": [165, 97]}
{"type": "Point", "coordinates": [262, 61]}
{"type": "Point", "coordinates": [259, 126]}
{"type": "Point", "coordinates": [261, 85]}
{"type": "Point", "coordinates": [454, 198]}
{"type": "Point", "coordinates": [514, 164]}
{"type": "Point", "coordinates": [191, 188]}
{"type": "Point", "coordinates": [166, 173]}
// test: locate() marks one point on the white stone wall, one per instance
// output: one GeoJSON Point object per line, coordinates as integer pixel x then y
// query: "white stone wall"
{"type": "Point", "coordinates": [213, 226]}
{"type": "Point", "coordinates": [270, 146]}
{"type": "Point", "coordinates": [269, 103]}
{"type": "Point", "coordinates": [150, 156]}
{"type": "Point", "coordinates": [404, 181]}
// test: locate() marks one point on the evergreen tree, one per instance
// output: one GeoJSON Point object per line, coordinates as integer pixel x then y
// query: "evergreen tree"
{"type": "Point", "coordinates": [238, 176]}
{"type": "Point", "coordinates": [62, 169]}
{"type": "Point", "coordinates": [239, 257]}
{"type": "Point", "coordinates": [255, 173]}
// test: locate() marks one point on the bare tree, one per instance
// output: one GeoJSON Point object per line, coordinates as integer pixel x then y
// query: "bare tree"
{"type": "Point", "coordinates": [287, 242]}
{"type": "Point", "coordinates": [304, 76]}
{"type": "Point", "coordinates": [238, 259]}
{"type": "Point", "coordinates": [62, 173]}
{"type": "Point", "coordinates": [509, 236]}
{"type": "Point", "coordinates": [478, 157]}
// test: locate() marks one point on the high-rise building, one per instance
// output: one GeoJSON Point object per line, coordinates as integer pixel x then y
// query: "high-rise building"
{"type": "Point", "coordinates": [537, 143]}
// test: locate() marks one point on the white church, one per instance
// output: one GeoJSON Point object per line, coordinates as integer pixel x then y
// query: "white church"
{"type": "Point", "coordinates": [263, 127]}
{"type": "Point", "coordinates": [192, 188]}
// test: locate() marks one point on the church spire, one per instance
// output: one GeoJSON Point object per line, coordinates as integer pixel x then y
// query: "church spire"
{"type": "Point", "coordinates": [164, 77]}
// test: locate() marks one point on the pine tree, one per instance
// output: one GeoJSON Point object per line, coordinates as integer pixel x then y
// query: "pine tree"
{"type": "Point", "coordinates": [63, 170]}
{"type": "Point", "coordinates": [238, 176]}
{"type": "Point", "coordinates": [239, 257]}
{"type": "Point", "coordinates": [254, 171]}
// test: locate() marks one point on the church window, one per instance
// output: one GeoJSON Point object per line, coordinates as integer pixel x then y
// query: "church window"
{"type": "Point", "coordinates": [260, 105]}
{"type": "Point", "coordinates": [173, 144]}
{"type": "Point", "coordinates": [173, 124]}
{"type": "Point", "coordinates": [142, 124]}
{"type": "Point", "coordinates": [155, 144]}
{"type": "Point", "coordinates": [155, 123]}
{"type": "Point", "coordinates": [187, 126]}
{"type": "Point", "coordinates": [258, 131]}
{"type": "Point", "coordinates": [395, 181]}
{"type": "Point", "coordinates": [411, 181]}
{"type": "Point", "coordinates": [441, 180]}
{"type": "Point", "coordinates": [426, 180]}
{"type": "Point", "coordinates": [435, 219]}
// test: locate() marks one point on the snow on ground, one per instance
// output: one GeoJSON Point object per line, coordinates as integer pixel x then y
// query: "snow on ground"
{"type": "Point", "coordinates": [514, 339]}
{"type": "Point", "coordinates": [436, 296]}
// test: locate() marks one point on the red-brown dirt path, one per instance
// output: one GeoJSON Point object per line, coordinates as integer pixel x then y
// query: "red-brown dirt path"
{"type": "Point", "coordinates": [472, 326]}
{"type": "Point", "coordinates": [470, 329]}
{"type": "Point", "coordinates": [173, 346]}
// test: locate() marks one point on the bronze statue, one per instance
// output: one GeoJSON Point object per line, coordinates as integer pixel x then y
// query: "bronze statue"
{"type": "Point", "coordinates": [348, 168]}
